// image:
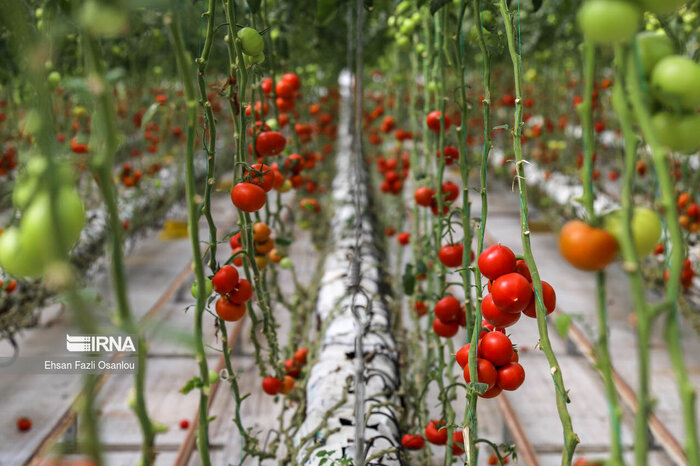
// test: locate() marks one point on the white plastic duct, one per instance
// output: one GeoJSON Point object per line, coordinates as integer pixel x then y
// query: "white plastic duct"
{"type": "Point", "coordinates": [351, 406]}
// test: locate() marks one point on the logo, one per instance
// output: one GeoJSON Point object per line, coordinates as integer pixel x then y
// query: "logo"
{"type": "Point", "coordinates": [100, 343]}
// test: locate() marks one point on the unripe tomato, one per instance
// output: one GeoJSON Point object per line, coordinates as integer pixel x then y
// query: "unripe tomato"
{"type": "Point", "coordinates": [447, 309]}
{"type": "Point", "coordinates": [585, 247]}
{"type": "Point", "coordinates": [252, 42]}
{"type": "Point", "coordinates": [646, 228]}
{"type": "Point", "coordinates": [511, 292]}
{"type": "Point", "coordinates": [497, 348]}
{"type": "Point", "coordinates": [37, 226]}
{"type": "Point", "coordinates": [662, 6]}
{"type": "Point", "coordinates": [287, 385]}
{"type": "Point", "coordinates": [653, 46]}
{"type": "Point", "coordinates": [675, 79]}
{"type": "Point", "coordinates": [434, 434]}
{"type": "Point", "coordinates": [445, 329]}
{"type": "Point", "coordinates": [678, 132]}
{"type": "Point", "coordinates": [495, 261]}
{"type": "Point", "coordinates": [272, 385]}
{"type": "Point", "coordinates": [485, 371]}
{"type": "Point", "coordinates": [207, 286]}
{"type": "Point", "coordinates": [242, 293]}
{"type": "Point", "coordinates": [225, 280]}
{"type": "Point", "coordinates": [261, 231]}
{"type": "Point", "coordinates": [510, 376]}
{"type": "Point", "coordinates": [14, 260]}
{"type": "Point", "coordinates": [248, 197]}
{"type": "Point", "coordinates": [496, 317]}
{"type": "Point", "coordinates": [609, 21]}
{"type": "Point", "coordinates": [228, 310]}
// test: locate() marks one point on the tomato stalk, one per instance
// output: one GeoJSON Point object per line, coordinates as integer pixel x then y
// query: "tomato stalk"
{"type": "Point", "coordinates": [604, 362]}
{"type": "Point", "coordinates": [210, 131]}
{"type": "Point", "coordinates": [185, 69]}
{"type": "Point", "coordinates": [562, 398]}
{"type": "Point", "coordinates": [659, 155]}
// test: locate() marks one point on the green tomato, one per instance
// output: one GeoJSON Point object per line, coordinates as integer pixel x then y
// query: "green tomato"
{"type": "Point", "coordinates": [208, 286]}
{"type": "Point", "coordinates": [646, 228]}
{"type": "Point", "coordinates": [662, 6]}
{"type": "Point", "coordinates": [286, 263]}
{"type": "Point", "coordinates": [252, 42]}
{"type": "Point", "coordinates": [38, 229]}
{"type": "Point", "coordinates": [403, 6]}
{"type": "Point", "coordinates": [609, 21]}
{"type": "Point", "coordinates": [213, 376]}
{"type": "Point", "coordinates": [652, 48]}
{"type": "Point", "coordinates": [14, 260]}
{"type": "Point", "coordinates": [678, 132]}
{"type": "Point", "coordinates": [254, 59]}
{"type": "Point", "coordinates": [676, 82]}
{"type": "Point", "coordinates": [487, 19]}
{"type": "Point", "coordinates": [54, 78]}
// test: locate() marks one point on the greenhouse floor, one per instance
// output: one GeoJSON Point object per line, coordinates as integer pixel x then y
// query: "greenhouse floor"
{"type": "Point", "coordinates": [527, 416]}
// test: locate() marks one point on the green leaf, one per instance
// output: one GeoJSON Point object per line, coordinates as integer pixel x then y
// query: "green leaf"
{"type": "Point", "coordinates": [149, 114]}
{"type": "Point", "coordinates": [282, 241]}
{"type": "Point", "coordinates": [325, 11]}
{"type": "Point", "coordinates": [562, 323]}
{"type": "Point", "coordinates": [193, 383]}
{"type": "Point", "coordinates": [408, 280]}
{"type": "Point", "coordinates": [254, 5]}
{"type": "Point", "coordinates": [478, 387]}
{"type": "Point", "coordinates": [421, 268]}
{"type": "Point", "coordinates": [435, 5]}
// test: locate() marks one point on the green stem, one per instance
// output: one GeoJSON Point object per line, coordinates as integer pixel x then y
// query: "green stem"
{"type": "Point", "coordinates": [185, 69]}
{"type": "Point", "coordinates": [604, 361]}
{"type": "Point", "coordinates": [562, 398]}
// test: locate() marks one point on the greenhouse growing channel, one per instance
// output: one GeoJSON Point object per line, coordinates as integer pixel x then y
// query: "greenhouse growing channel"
{"type": "Point", "coordinates": [527, 417]}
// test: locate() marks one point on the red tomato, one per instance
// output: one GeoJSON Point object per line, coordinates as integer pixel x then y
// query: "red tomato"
{"type": "Point", "coordinates": [485, 372]}
{"type": "Point", "coordinates": [287, 385]}
{"type": "Point", "coordinates": [420, 308]}
{"type": "Point", "coordinates": [248, 197]}
{"type": "Point", "coordinates": [269, 143]}
{"type": "Point", "coordinates": [184, 424]}
{"type": "Point", "coordinates": [492, 392]}
{"type": "Point", "coordinates": [451, 255]}
{"type": "Point", "coordinates": [462, 356]}
{"type": "Point", "coordinates": [433, 121]}
{"type": "Point", "coordinates": [293, 80]}
{"type": "Point", "coordinates": [445, 330]}
{"type": "Point", "coordinates": [225, 280]}
{"type": "Point", "coordinates": [433, 433]}
{"type": "Point", "coordinates": [549, 299]}
{"type": "Point", "coordinates": [284, 105]}
{"type": "Point", "coordinates": [412, 442]}
{"type": "Point", "coordinates": [271, 385]}
{"type": "Point", "coordinates": [451, 153]}
{"type": "Point", "coordinates": [24, 424]}
{"type": "Point", "coordinates": [424, 196]}
{"type": "Point", "coordinates": [511, 292]}
{"type": "Point", "coordinates": [521, 268]}
{"type": "Point", "coordinates": [447, 309]}
{"type": "Point", "coordinates": [228, 310]}
{"type": "Point", "coordinates": [458, 442]}
{"type": "Point", "coordinates": [284, 89]}
{"type": "Point", "coordinates": [266, 85]}
{"type": "Point", "coordinates": [242, 293]}
{"type": "Point", "coordinates": [511, 376]}
{"type": "Point", "coordinates": [235, 241]}
{"type": "Point", "coordinates": [497, 348]}
{"type": "Point", "coordinates": [404, 238]}
{"type": "Point", "coordinates": [300, 355]}
{"type": "Point", "coordinates": [450, 191]}
{"type": "Point", "coordinates": [261, 175]}
{"type": "Point", "coordinates": [292, 368]}
{"type": "Point", "coordinates": [495, 261]}
{"type": "Point", "coordinates": [495, 316]}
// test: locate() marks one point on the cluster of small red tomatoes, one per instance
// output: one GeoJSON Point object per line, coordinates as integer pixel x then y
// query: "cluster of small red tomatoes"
{"type": "Point", "coordinates": [235, 293]}
{"type": "Point", "coordinates": [249, 195]}
{"type": "Point", "coordinates": [292, 366]}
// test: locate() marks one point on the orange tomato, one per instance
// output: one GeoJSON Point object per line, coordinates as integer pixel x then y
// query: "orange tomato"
{"type": "Point", "coordinates": [586, 247]}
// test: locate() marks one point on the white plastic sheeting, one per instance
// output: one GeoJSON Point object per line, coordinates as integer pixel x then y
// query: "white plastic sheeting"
{"type": "Point", "coordinates": [358, 358]}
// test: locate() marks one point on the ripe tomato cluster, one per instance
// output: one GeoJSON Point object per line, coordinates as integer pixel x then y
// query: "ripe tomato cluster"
{"type": "Point", "coordinates": [293, 367]}
{"type": "Point", "coordinates": [435, 433]}
{"type": "Point", "coordinates": [234, 291]}
{"type": "Point", "coordinates": [393, 181]}
{"type": "Point", "coordinates": [497, 363]}
{"type": "Point", "coordinates": [449, 316]}
{"type": "Point", "coordinates": [129, 176]}
{"type": "Point", "coordinates": [510, 288]}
